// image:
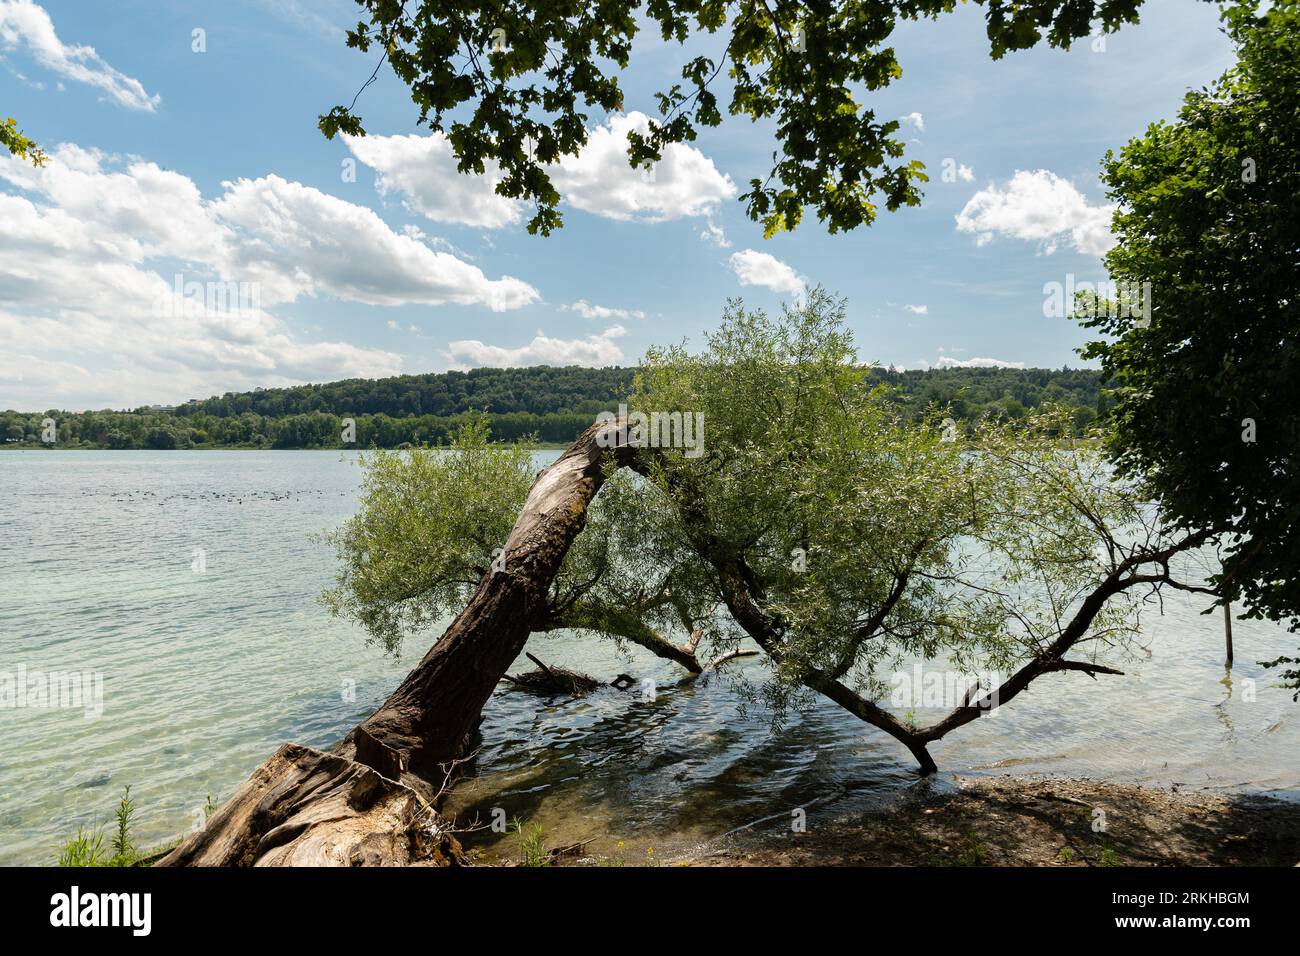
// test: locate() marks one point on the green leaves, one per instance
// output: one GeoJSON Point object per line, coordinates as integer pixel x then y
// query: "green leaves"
{"type": "Point", "coordinates": [868, 537]}
{"type": "Point", "coordinates": [863, 537]}
{"type": "Point", "coordinates": [12, 139]}
{"type": "Point", "coordinates": [517, 82]}
{"type": "Point", "coordinates": [1207, 392]}
{"type": "Point", "coordinates": [339, 120]}
{"type": "Point", "coordinates": [431, 523]}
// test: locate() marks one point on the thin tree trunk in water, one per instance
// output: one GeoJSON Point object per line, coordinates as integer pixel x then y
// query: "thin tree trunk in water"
{"type": "Point", "coordinates": [371, 799]}
{"type": "Point", "coordinates": [1227, 632]}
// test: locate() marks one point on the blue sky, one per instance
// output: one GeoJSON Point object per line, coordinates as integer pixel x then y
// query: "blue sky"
{"type": "Point", "coordinates": [207, 166]}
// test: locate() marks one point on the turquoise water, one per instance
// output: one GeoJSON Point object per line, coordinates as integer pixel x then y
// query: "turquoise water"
{"type": "Point", "coordinates": [211, 659]}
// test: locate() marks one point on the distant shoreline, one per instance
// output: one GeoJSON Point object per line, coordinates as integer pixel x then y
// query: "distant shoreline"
{"type": "Point", "coordinates": [552, 405]}
{"type": "Point", "coordinates": [542, 446]}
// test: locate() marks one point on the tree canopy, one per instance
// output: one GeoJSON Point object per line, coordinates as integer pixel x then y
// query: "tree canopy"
{"type": "Point", "coordinates": [817, 523]}
{"type": "Point", "coordinates": [1207, 391]}
{"type": "Point", "coordinates": [514, 84]}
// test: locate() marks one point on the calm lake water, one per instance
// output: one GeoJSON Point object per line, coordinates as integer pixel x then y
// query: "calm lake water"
{"type": "Point", "coordinates": [188, 582]}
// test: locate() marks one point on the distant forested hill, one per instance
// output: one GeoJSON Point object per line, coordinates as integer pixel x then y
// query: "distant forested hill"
{"type": "Point", "coordinates": [553, 404]}
{"type": "Point", "coordinates": [539, 390]}
{"type": "Point", "coordinates": [971, 393]}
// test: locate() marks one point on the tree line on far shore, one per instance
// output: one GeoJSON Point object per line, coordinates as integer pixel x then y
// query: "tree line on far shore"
{"type": "Point", "coordinates": [553, 405]}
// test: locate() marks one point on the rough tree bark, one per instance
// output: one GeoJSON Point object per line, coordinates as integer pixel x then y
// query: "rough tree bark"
{"type": "Point", "coordinates": [304, 807]}
{"type": "Point", "coordinates": [371, 801]}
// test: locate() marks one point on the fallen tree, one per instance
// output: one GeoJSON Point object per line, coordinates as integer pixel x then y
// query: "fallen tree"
{"type": "Point", "coordinates": [305, 807]}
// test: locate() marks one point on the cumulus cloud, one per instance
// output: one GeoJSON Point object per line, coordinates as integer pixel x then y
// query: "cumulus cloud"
{"type": "Point", "coordinates": [123, 269]}
{"type": "Point", "coordinates": [916, 119]}
{"type": "Point", "coordinates": [758, 268]}
{"type": "Point", "coordinates": [334, 247]}
{"type": "Point", "coordinates": [589, 311]}
{"type": "Point", "coordinates": [600, 181]}
{"type": "Point", "coordinates": [715, 235]}
{"type": "Point", "coordinates": [30, 379]}
{"type": "Point", "coordinates": [918, 309]}
{"type": "Point", "coordinates": [1039, 206]}
{"type": "Point", "coordinates": [422, 169]}
{"type": "Point", "coordinates": [23, 23]}
{"type": "Point", "coordinates": [114, 332]}
{"type": "Point", "coordinates": [594, 350]}
{"type": "Point", "coordinates": [946, 361]}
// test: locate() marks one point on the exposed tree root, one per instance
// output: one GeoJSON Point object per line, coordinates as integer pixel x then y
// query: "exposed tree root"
{"type": "Point", "coordinates": [305, 807]}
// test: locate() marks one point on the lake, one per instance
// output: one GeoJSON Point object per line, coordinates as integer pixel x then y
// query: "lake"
{"type": "Point", "coordinates": [187, 583]}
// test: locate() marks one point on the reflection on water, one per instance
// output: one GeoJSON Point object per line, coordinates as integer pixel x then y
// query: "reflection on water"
{"type": "Point", "coordinates": [207, 672]}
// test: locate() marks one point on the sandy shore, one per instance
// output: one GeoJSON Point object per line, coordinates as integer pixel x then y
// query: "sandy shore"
{"type": "Point", "coordinates": [1011, 821]}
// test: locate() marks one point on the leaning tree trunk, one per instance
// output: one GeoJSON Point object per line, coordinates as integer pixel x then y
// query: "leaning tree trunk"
{"type": "Point", "coordinates": [371, 800]}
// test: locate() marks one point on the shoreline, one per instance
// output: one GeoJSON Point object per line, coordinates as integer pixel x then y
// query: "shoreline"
{"type": "Point", "coordinates": [1035, 821]}
{"type": "Point", "coordinates": [971, 821]}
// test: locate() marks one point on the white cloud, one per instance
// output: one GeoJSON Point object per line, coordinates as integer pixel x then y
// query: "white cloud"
{"type": "Point", "coordinates": [594, 350]}
{"type": "Point", "coordinates": [599, 180]}
{"type": "Point", "coordinates": [714, 234]}
{"type": "Point", "coordinates": [758, 268]}
{"type": "Point", "coordinates": [334, 247]}
{"type": "Point", "coordinates": [111, 332]}
{"type": "Point", "coordinates": [946, 361]}
{"type": "Point", "coordinates": [297, 11]}
{"type": "Point", "coordinates": [1038, 206]}
{"type": "Point", "coordinates": [24, 23]}
{"type": "Point", "coordinates": [24, 374]}
{"type": "Point", "coordinates": [916, 119]}
{"type": "Point", "coordinates": [918, 309]}
{"type": "Point", "coordinates": [589, 311]}
{"type": "Point", "coordinates": [965, 174]}
{"type": "Point", "coordinates": [91, 247]}
{"type": "Point", "coordinates": [423, 170]}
